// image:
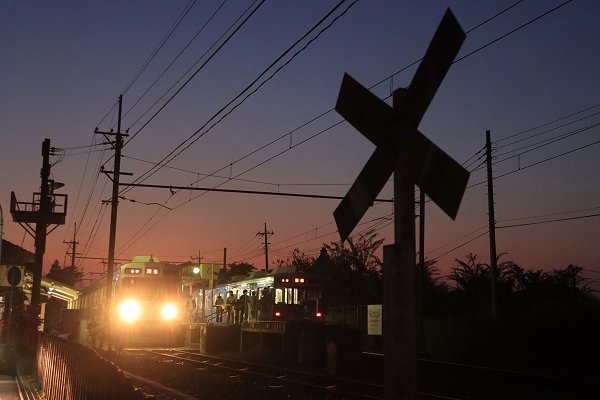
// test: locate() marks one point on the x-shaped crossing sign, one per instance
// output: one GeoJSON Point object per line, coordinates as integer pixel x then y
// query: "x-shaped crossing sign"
{"type": "Point", "coordinates": [396, 135]}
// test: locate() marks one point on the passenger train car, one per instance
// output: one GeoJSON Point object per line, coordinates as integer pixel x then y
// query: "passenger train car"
{"type": "Point", "coordinates": [147, 302]}
{"type": "Point", "coordinates": [281, 294]}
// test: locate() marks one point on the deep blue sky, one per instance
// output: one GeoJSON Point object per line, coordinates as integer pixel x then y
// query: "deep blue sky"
{"type": "Point", "coordinates": [65, 63]}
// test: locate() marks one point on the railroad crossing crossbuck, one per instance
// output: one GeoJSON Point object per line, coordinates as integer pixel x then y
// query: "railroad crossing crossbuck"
{"type": "Point", "coordinates": [413, 158]}
{"type": "Point", "coordinates": [396, 135]}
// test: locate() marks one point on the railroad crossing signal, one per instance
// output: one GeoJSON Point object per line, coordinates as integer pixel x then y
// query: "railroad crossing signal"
{"type": "Point", "coordinates": [396, 135]}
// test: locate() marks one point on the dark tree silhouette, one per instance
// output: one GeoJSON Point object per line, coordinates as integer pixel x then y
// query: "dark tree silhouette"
{"type": "Point", "coordinates": [67, 275]}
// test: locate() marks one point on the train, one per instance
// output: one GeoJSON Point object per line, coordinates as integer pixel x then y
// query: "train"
{"type": "Point", "coordinates": [155, 302]}
{"type": "Point", "coordinates": [147, 302]}
{"type": "Point", "coordinates": [280, 294]}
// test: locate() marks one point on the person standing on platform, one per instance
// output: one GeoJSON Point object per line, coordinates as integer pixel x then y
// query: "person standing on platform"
{"type": "Point", "coordinates": [219, 308]}
{"type": "Point", "coordinates": [242, 306]}
{"type": "Point", "coordinates": [229, 302]}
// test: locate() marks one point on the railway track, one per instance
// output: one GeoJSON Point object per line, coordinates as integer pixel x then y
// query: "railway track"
{"type": "Point", "coordinates": [188, 374]}
{"type": "Point", "coordinates": [295, 383]}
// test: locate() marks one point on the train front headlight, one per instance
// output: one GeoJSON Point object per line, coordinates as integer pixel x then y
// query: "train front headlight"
{"type": "Point", "coordinates": [168, 312]}
{"type": "Point", "coordinates": [130, 311]}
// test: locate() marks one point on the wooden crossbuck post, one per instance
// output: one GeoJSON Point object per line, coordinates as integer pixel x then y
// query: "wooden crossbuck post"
{"type": "Point", "coordinates": [414, 159]}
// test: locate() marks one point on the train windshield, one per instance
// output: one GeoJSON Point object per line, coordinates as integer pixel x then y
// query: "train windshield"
{"type": "Point", "coordinates": [147, 289]}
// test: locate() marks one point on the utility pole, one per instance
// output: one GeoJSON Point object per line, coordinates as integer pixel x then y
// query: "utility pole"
{"type": "Point", "coordinates": [203, 315]}
{"type": "Point", "coordinates": [40, 231]}
{"type": "Point", "coordinates": [42, 211]}
{"type": "Point", "coordinates": [266, 234]}
{"type": "Point", "coordinates": [421, 270]}
{"type": "Point", "coordinates": [73, 246]}
{"type": "Point", "coordinates": [116, 174]}
{"type": "Point", "coordinates": [492, 223]}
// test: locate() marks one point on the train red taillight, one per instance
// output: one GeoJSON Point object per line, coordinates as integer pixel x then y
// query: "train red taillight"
{"type": "Point", "coordinates": [278, 314]}
{"type": "Point", "coordinates": [319, 314]}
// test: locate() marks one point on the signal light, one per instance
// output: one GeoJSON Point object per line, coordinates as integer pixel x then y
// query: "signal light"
{"type": "Point", "coordinates": [318, 314]}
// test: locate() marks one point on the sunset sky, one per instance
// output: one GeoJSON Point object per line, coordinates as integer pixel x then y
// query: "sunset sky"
{"type": "Point", "coordinates": [65, 63]}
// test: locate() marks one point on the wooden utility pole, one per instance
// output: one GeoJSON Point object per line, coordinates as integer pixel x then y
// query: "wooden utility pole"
{"type": "Point", "coordinates": [116, 174]}
{"type": "Point", "coordinates": [492, 224]}
{"type": "Point", "coordinates": [266, 233]}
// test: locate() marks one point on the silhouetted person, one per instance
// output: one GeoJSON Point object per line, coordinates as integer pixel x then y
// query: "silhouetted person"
{"type": "Point", "coordinates": [241, 307]}
{"type": "Point", "coordinates": [229, 302]}
{"type": "Point", "coordinates": [219, 302]}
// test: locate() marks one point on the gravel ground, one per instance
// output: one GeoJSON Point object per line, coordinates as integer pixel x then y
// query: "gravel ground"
{"type": "Point", "coordinates": [205, 383]}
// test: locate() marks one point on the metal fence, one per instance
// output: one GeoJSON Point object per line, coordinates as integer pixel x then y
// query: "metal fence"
{"type": "Point", "coordinates": [65, 370]}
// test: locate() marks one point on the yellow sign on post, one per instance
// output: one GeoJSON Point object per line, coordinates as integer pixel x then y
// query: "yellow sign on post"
{"type": "Point", "coordinates": [375, 319]}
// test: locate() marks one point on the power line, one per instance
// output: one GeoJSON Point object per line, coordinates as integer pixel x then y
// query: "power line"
{"type": "Point", "coordinates": [549, 221]}
{"type": "Point", "coordinates": [229, 37]}
{"type": "Point", "coordinates": [200, 30]}
{"type": "Point", "coordinates": [192, 138]}
{"type": "Point", "coordinates": [544, 143]}
{"type": "Point", "coordinates": [548, 123]}
{"type": "Point", "coordinates": [548, 130]}
{"type": "Point", "coordinates": [160, 45]}
{"type": "Point", "coordinates": [513, 31]}
{"type": "Point", "coordinates": [213, 189]}
{"type": "Point", "coordinates": [537, 163]}
{"type": "Point", "coordinates": [459, 246]}
{"type": "Point", "coordinates": [550, 215]}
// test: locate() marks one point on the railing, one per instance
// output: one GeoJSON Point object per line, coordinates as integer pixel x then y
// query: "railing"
{"type": "Point", "coordinates": [66, 370]}
{"type": "Point", "coordinates": [351, 316]}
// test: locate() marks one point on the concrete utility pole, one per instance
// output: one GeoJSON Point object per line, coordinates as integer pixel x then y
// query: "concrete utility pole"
{"type": "Point", "coordinates": [43, 212]}
{"type": "Point", "coordinates": [40, 231]}
{"type": "Point", "coordinates": [421, 271]}
{"type": "Point", "coordinates": [266, 233]}
{"type": "Point", "coordinates": [116, 174]}
{"type": "Point", "coordinates": [492, 223]}
{"type": "Point", "coordinates": [203, 315]}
